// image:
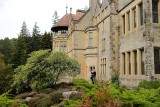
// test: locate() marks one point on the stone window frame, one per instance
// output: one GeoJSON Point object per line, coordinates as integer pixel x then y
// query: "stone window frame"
{"type": "Point", "coordinates": [103, 66]}
{"type": "Point", "coordinates": [140, 14]}
{"type": "Point", "coordinates": [158, 11]}
{"type": "Point", "coordinates": [129, 20]}
{"type": "Point", "coordinates": [130, 63]}
{"type": "Point", "coordinates": [134, 17]}
{"type": "Point", "coordinates": [91, 68]}
{"type": "Point", "coordinates": [63, 46]}
{"type": "Point", "coordinates": [128, 66]}
{"type": "Point", "coordinates": [123, 72]}
{"type": "Point", "coordinates": [123, 24]}
{"type": "Point", "coordinates": [90, 39]}
{"type": "Point", "coordinates": [157, 61]}
{"type": "Point", "coordinates": [142, 61]}
{"type": "Point", "coordinates": [133, 26]}
{"type": "Point", "coordinates": [56, 45]}
{"type": "Point", "coordinates": [103, 44]}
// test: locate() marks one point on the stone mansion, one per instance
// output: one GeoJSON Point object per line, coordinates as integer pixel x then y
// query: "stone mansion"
{"type": "Point", "coordinates": [113, 35]}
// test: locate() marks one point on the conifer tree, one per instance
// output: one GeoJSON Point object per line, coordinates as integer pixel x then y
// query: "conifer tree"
{"type": "Point", "coordinates": [22, 46]}
{"type": "Point", "coordinates": [36, 38]}
{"type": "Point", "coordinates": [46, 41]}
{"type": "Point", "coordinates": [55, 17]}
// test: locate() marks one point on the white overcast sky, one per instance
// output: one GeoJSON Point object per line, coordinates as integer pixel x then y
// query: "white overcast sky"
{"type": "Point", "coordinates": [14, 12]}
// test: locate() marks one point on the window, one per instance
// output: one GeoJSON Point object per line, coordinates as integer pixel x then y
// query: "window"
{"type": "Point", "coordinates": [63, 46]}
{"type": "Point", "coordinates": [103, 44]}
{"type": "Point", "coordinates": [135, 61]}
{"type": "Point", "coordinates": [134, 17]}
{"type": "Point", "coordinates": [124, 64]}
{"type": "Point", "coordinates": [123, 18]}
{"type": "Point", "coordinates": [103, 66]}
{"type": "Point", "coordinates": [56, 46]}
{"type": "Point", "coordinates": [155, 11]}
{"type": "Point", "coordinates": [90, 39]}
{"type": "Point", "coordinates": [129, 58]}
{"type": "Point", "coordinates": [92, 68]}
{"type": "Point", "coordinates": [157, 60]}
{"type": "Point", "coordinates": [128, 14]}
{"type": "Point", "coordinates": [142, 65]}
{"type": "Point", "coordinates": [141, 14]}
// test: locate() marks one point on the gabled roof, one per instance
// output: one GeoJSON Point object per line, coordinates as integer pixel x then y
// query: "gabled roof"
{"type": "Point", "coordinates": [64, 21]}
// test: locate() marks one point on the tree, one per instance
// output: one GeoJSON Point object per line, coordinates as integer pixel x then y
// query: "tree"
{"type": "Point", "coordinates": [43, 69]}
{"type": "Point", "coordinates": [2, 63]}
{"type": "Point", "coordinates": [55, 17]}
{"type": "Point", "coordinates": [22, 47]}
{"type": "Point", "coordinates": [36, 38]}
{"type": "Point", "coordinates": [24, 30]}
{"type": "Point", "coordinates": [6, 74]}
{"type": "Point", "coordinates": [6, 48]}
{"type": "Point", "coordinates": [46, 41]}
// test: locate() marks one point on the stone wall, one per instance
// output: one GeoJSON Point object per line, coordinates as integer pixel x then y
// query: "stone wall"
{"type": "Point", "coordinates": [123, 3]}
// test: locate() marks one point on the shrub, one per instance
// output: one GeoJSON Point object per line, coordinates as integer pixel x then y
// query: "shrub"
{"type": "Point", "coordinates": [76, 96]}
{"type": "Point", "coordinates": [44, 102]}
{"type": "Point", "coordinates": [115, 78]}
{"type": "Point", "coordinates": [83, 84]}
{"type": "Point", "coordinates": [72, 103]}
{"type": "Point", "coordinates": [56, 98]}
{"type": "Point", "coordinates": [149, 84]}
{"type": "Point", "coordinates": [8, 102]}
{"type": "Point", "coordinates": [43, 69]}
{"type": "Point", "coordinates": [6, 79]}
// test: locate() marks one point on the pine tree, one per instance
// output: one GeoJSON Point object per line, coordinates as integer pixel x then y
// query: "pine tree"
{"type": "Point", "coordinates": [7, 50]}
{"type": "Point", "coordinates": [24, 31]}
{"type": "Point", "coordinates": [46, 41]}
{"type": "Point", "coordinates": [55, 17]}
{"type": "Point", "coordinates": [36, 38]}
{"type": "Point", "coordinates": [22, 46]}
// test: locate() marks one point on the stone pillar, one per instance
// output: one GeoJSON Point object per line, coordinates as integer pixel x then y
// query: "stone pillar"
{"type": "Point", "coordinates": [148, 48]}
{"type": "Point", "coordinates": [149, 58]}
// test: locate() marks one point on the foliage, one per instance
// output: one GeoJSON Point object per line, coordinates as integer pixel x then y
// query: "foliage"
{"type": "Point", "coordinates": [6, 75]}
{"type": "Point", "coordinates": [2, 63]}
{"type": "Point", "coordinates": [115, 78]}
{"type": "Point", "coordinates": [83, 84]}
{"type": "Point", "coordinates": [71, 103]}
{"type": "Point", "coordinates": [7, 102]}
{"type": "Point", "coordinates": [21, 47]}
{"type": "Point", "coordinates": [6, 48]}
{"type": "Point", "coordinates": [55, 17]}
{"type": "Point", "coordinates": [114, 96]}
{"type": "Point", "coordinates": [43, 69]}
{"type": "Point", "coordinates": [6, 79]}
{"type": "Point", "coordinates": [24, 30]}
{"type": "Point", "coordinates": [46, 41]}
{"type": "Point", "coordinates": [149, 84]}
{"type": "Point", "coordinates": [36, 38]}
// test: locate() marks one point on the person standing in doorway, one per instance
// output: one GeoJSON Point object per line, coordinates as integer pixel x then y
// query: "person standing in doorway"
{"type": "Point", "coordinates": [93, 76]}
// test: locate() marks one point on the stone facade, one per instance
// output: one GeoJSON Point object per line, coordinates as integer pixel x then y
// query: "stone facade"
{"type": "Point", "coordinates": [116, 35]}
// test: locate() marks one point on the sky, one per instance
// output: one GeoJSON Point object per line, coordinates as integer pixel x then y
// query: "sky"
{"type": "Point", "coordinates": [14, 12]}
